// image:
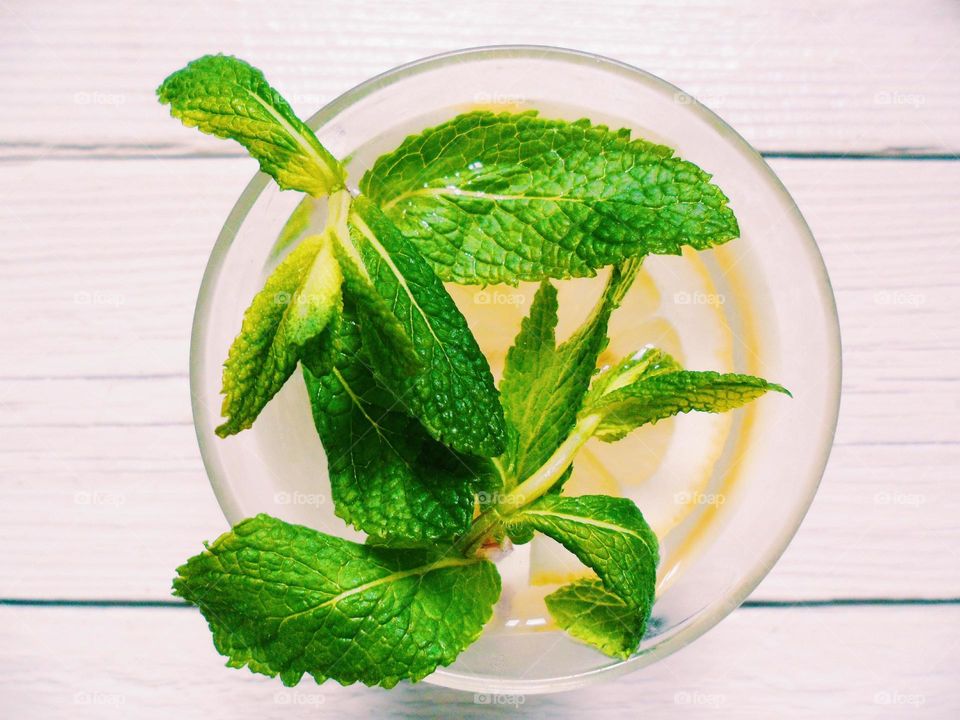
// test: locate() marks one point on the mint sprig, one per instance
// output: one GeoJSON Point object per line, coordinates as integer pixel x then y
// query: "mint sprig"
{"type": "Point", "coordinates": [424, 353]}
{"type": "Point", "coordinates": [223, 96]}
{"type": "Point", "coordinates": [424, 454]}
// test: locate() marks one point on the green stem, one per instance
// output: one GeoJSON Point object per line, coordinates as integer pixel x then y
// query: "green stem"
{"type": "Point", "coordinates": [479, 531]}
{"type": "Point", "coordinates": [533, 487]}
{"type": "Point", "coordinates": [553, 469]}
{"type": "Point", "coordinates": [338, 208]}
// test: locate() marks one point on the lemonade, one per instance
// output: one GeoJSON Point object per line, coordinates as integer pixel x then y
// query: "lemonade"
{"type": "Point", "coordinates": [687, 305]}
{"type": "Point", "coordinates": [361, 388]}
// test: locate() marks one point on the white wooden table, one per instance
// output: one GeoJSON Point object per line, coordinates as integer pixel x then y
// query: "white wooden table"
{"type": "Point", "coordinates": [109, 211]}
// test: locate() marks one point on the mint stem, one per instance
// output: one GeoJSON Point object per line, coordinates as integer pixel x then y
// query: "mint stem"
{"type": "Point", "coordinates": [479, 531]}
{"type": "Point", "coordinates": [533, 487]}
{"type": "Point", "coordinates": [553, 469]}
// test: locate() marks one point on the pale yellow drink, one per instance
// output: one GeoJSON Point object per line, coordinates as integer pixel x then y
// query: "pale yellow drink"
{"type": "Point", "coordinates": [681, 304]}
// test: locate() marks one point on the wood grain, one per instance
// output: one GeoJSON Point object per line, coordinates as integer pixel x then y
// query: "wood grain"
{"type": "Point", "coordinates": [819, 76]}
{"type": "Point", "coordinates": [796, 663]}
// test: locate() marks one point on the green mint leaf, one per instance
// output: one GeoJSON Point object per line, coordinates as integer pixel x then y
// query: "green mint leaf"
{"type": "Point", "coordinates": [453, 394]}
{"type": "Point", "coordinates": [544, 385]}
{"type": "Point", "coordinates": [527, 411]}
{"type": "Point", "coordinates": [383, 327]}
{"type": "Point", "coordinates": [499, 198]}
{"type": "Point", "coordinates": [287, 600]}
{"type": "Point", "coordinates": [388, 477]}
{"type": "Point", "coordinates": [607, 534]}
{"type": "Point", "coordinates": [593, 614]}
{"type": "Point", "coordinates": [224, 96]}
{"type": "Point", "coordinates": [292, 310]}
{"type": "Point", "coordinates": [668, 393]}
{"type": "Point", "coordinates": [644, 364]}
{"type": "Point", "coordinates": [610, 536]}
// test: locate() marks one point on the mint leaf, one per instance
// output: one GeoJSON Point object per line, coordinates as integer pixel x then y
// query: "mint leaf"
{"type": "Point", "coordinates": [644, 364]}
{"type": "Point", "coordinates": [388, 477]}
{"type": "Point", "coordinates": [224, 96]}
{"type": "Point", "coordinates": [532, 356]}
{"type": "Point", "coordinates": [286, 600]}
{"type": "Point", "coordinates": [383, 327]}
{"type": "Point", "coordinates": [593, 614]}
{"type": "Point", "coordinates": [610, 536]}
{"type": "Point", "coordinates": [607, 534]}
{"type": "Point", "coordinates": [544, 385]}
{"type": "Point", "coordinates": [502, 198]}
{"type": "Point", "coordinates": [453, 395]}
{"type": "Point", "coordinates": [666, 393]}
{"type": "Point", "coordinates": [294, 307]}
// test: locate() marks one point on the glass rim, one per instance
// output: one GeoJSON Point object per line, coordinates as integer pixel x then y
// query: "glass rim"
{"type": "Point", "coordinates": [761, 566]}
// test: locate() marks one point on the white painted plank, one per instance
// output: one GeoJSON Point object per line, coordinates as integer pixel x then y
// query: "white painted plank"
{"type": "Point", "coordinates": [110, 511]}
{"type": "Point", "coordinates": [103, 261]}
{"type": "Point", "coordinates": [795, 663]}
{"type": "Point", "coordinates": [865, 76]}
{"type": "Point", "coordinates": [97, 445]}
{"type": "Point", "coordinates": [112, 291]}
{"type": "Point", "coordinates": [111, 294]}
{"type": "Point", "coordinates": [880, 526]}
{"type": "Point", "coordinates": [101, 512]}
